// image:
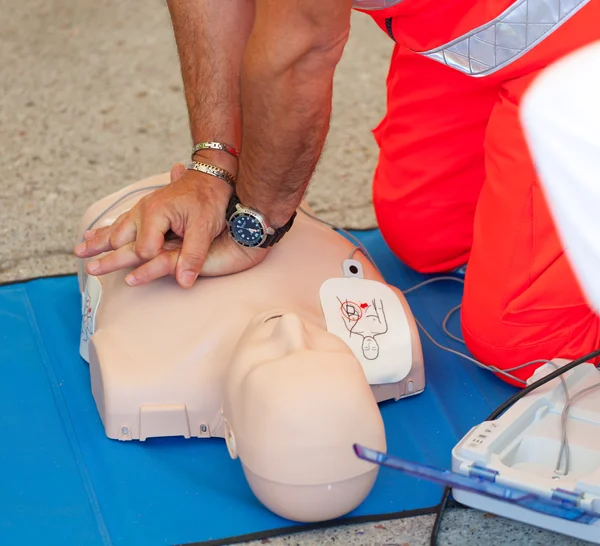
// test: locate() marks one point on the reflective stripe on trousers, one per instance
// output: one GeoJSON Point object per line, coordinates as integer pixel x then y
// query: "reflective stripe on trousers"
{"type": "Point", "coordinates": [494, 45]}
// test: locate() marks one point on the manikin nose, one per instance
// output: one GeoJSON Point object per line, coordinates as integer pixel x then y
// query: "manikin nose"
{"type": "Point", "coordinates": [292, 332]}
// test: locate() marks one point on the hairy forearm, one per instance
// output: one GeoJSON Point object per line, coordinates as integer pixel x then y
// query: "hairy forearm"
{"type": "Point", "coordinates": [286, 83]}
{"type": "Point", "coordinates": [211, 37]}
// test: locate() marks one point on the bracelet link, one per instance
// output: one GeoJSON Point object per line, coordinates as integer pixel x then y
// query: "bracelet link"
{"type": "Point", "coordinates": [213, 171]}
{"type": "Point", "coordinates": [215, 146]}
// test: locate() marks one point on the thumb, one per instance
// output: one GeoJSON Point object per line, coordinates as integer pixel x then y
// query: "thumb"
{"type": "Point", "coordinates": [177, 171]}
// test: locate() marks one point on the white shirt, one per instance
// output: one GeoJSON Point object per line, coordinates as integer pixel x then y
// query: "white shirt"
{"type": "Point", "coordinates": [560, 114]}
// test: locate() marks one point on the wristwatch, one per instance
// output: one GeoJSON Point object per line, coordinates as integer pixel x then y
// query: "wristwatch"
{"type": "Point", "coordinates": [249, 227]}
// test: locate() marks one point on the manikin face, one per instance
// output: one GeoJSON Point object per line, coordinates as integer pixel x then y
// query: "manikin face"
{"type": "Point", "coordinates": [282, 334]}
{"type": "Point", "coordinates": [280, 362]}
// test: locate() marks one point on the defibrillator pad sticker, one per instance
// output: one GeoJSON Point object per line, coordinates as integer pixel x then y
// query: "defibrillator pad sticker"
{"type": "Point", "coordinates": [368, 316]}
{"type": "Point", "coordinates": [90, 301]}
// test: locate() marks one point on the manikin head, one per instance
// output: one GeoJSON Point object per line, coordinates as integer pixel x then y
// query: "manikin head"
{"type": "Point", "coordinates": [296, 401]}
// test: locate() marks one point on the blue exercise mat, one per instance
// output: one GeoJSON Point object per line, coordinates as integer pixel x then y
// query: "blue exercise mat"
{"type": "Point", "coordinates": [62, 482]}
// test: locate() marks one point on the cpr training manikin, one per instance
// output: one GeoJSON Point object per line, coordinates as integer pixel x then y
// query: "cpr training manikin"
{"type": "Point", "coordinates": [286, 361]}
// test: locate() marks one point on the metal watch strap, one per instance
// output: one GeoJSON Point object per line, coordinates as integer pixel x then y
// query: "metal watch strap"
{"type": "Point", "coordinates": [213, 171]}
{"type": "Point", "coordinates": [215, 146]}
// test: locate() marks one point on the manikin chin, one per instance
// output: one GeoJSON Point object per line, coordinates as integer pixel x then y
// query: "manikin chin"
{"type": "Point", "coordinates": [256, 358]}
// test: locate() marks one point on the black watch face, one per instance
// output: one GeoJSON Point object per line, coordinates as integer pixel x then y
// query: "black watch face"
{"type": "Point", "coordinates": [246, 230]}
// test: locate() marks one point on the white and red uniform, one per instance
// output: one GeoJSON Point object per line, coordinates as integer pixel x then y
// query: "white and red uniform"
{"type": "Point", "coordinates": [455, 182]}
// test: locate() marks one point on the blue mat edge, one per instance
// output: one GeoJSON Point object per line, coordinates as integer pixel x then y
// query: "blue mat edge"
{"type": "Point", "coordinates": [300, 528]}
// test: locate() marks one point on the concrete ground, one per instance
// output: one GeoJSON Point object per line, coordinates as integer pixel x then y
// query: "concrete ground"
{"type": "Point", "coordinates": [460, 527]}
{"type": "Point", "coordinates": [91, 100]}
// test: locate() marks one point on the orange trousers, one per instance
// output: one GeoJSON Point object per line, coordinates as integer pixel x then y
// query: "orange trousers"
{"type": "Point", "coordinates": [455, 183]}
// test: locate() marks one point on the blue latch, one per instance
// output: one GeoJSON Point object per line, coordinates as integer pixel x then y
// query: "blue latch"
{"type": "Point", "coordinates": [568, 498]}
{"type": "Point", "coordinates": [483, 473]}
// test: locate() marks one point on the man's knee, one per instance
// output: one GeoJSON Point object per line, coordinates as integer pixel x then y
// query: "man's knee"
{"type": "Point", "coordinates": [508, 341]}
{"type": "Point", "coordinates": [424, 257]}
{"type": "Point", "coordinates": [421, 240]}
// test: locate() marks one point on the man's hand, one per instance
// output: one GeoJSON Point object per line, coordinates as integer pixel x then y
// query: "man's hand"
{"type": "Point", "coordinates": [192, 208]}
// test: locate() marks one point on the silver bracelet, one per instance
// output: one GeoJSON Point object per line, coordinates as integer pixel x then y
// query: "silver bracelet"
{"type": "Point", "coordinates": [215, 146]}
{"type": "Point", "coordinates": [213, 171]}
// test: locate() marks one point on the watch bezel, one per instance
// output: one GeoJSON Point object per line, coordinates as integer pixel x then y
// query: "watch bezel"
{"type": "Point", "coordinates": [240, 210]}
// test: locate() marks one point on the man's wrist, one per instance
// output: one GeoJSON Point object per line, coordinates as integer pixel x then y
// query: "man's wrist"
{"type": "Point", "coordinates": [219, 188]}
{"type": "Point", "coordinates": [276, 214]}
{"type": "Point", "coordinates": [217, 158]}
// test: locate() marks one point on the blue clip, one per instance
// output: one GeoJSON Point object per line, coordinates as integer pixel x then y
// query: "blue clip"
{"type": "Point", "coordinates": [566, 498]}
{"type": "Point", "coordinates": [483, 473]}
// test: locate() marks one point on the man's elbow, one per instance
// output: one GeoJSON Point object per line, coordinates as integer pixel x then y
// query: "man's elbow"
{"type": "Point", "coordinates": [328, 35]}
{"type": "Point", "coordinates": [331, 51]}
{"type": "Point", "coordinates": [305, 40]}
{"type": "Point", "coordinates": [316, 53]}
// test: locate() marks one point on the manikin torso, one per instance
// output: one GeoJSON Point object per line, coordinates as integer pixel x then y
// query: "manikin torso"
{"type": "Point", "coordinates": [246, 357]}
